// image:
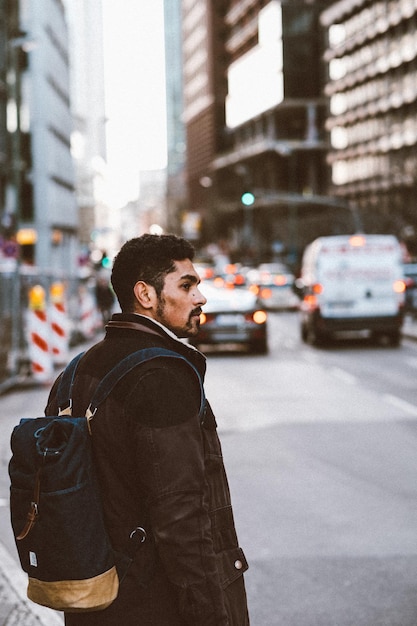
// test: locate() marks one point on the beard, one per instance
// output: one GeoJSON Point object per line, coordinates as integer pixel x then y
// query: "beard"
{"type": "Point", "coordinates": [190, 327]}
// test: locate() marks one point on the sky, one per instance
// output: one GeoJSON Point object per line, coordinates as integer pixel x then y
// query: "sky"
{"type": "Point", "coordinates": [135, 93]}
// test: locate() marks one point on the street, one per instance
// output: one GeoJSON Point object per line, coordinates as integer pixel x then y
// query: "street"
{"type": "Point", "coordinates": [320, 445]}
{"type": "Point", "coordinates": [321, 448]}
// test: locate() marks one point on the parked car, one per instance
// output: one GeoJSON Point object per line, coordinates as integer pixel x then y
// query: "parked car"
{"type": "Point", "coordinates": [232, 316]}
{"type": "Point", "coordinates": [274, 287]}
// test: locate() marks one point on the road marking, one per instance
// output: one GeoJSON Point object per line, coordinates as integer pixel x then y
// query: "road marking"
{"type": "Point", "coordinates": [401, 404]}
{"type": "Point", "coordinates": [344, 376]}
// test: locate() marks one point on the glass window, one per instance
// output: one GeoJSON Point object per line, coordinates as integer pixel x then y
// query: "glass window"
{"type": "Point", "coordinates": [337, 35]}
{"type": "Point", "coordinates": [339, 138]}
{"type": "Point", "coordinates": [337, 69]}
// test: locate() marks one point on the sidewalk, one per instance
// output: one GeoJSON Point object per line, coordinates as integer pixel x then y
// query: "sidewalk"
{"type": "Point", "coordinates": [15, 608]}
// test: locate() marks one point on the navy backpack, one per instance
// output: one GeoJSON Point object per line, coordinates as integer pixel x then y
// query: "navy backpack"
{"type": "Point", "coordinates": [55, 506]}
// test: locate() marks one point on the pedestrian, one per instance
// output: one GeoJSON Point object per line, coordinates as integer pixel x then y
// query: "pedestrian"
{"type": "Point", "coordinates": [104, 298]}
{"type": "Point", "coordinates": [159, 464]}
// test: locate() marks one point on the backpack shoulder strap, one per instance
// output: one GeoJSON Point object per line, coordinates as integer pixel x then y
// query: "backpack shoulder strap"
{"type": "Point", "coordinates": [106, 385]}
{"type": "Point", "coordinates": [64, 392]}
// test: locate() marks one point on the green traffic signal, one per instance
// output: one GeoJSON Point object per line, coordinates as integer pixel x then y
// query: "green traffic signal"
{"type": "Point", "coordinates": [106, 262]}
{"type": "Point", "coordinates": [247, 198]}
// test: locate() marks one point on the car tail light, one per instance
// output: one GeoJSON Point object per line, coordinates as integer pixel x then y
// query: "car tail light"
{"type": "Point", "coordinates": [280, 280]}
{"type": "Point", "coordinates": [399, 286]}
{"type": "Point", "coordinates": [265, 293]}
{"type": "Point", "coordinates": [357, 241]}
{"type": "Point", "coordinates": [239, 279]}
{"type": "Point", "coordinates": [317, 288]}
{"type": "Point", "coordinates": [309, 302]}
{"type": "Point", "coordinates": [259, 317]}
{"type": "Point", "coordinates": [205, 318]}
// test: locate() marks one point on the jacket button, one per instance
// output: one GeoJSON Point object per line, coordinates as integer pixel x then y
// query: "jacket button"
{"type": "Point", "coordinates": [238, 564]}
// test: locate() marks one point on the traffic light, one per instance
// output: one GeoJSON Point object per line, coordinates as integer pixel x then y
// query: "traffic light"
{"type": "Point", "coordinates": [247, 198]}
{"type": "Point", "coordinates": [106, 261]}
{"type": "Point", "coordinates": [100, 259]}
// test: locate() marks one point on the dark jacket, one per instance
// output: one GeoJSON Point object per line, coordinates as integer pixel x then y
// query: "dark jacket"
{"type": "Point", "coordinates": [161, 468]}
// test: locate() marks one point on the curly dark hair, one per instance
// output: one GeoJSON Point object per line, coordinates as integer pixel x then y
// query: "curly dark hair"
{"type": "Point", "coordinates": [149, 258]}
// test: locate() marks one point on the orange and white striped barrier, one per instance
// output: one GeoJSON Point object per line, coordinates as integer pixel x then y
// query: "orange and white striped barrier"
{"type": "Point", "coordinates": [59, 324]}
{"type": "Point", "coordinates": [39, 336]}
{"type": "Point", "coordinates": [88, 313]}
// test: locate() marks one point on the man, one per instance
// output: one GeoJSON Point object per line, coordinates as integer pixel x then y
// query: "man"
{"type": "Point", "coordinates": [159, 462]}
{"type": "Point", "coordinates": [104, 297]}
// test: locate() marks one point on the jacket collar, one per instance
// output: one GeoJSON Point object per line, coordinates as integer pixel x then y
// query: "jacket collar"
{"type": "Point", "coordinates": [181, 345]}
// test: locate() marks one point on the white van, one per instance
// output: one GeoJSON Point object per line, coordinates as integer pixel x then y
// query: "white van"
{"type": "Point", "coordinates": [352, 283]}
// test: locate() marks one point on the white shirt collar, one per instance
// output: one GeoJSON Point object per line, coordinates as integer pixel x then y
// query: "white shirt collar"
{"type": "Point", "coordinates": [165, 329]}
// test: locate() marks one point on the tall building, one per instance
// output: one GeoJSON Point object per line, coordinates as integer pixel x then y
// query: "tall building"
{"type": "Point", "coordinates": [85, 24]}
{"type": "Point", "coordinates": [175, 185]}
{"type": "Point", "coordinates": [3, 114]}
{"type": "Point", "coordinates": [372, 90]}
{"type": "Point", "coordinates": [204, 98]}
{"type": "Point", "coordinates": [254, 112]}
{"type": "Point", "coordinates": [41, 195]}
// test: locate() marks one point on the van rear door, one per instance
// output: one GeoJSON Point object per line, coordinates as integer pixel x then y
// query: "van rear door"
{"type": "Point", "coordinates": [358, 276]}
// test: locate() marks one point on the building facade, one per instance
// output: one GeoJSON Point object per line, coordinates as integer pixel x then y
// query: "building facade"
{"type": "Point", "coordinates": [88, 140]}
{"type": "Point", "coordinates": [255, 114]}
{"type": "Point", "coordinates": [4, 25]}
{"type": "Point", "coordinates": [47, 201]}
{"type": "Point", "coordinates": [175, 185]}
{"type": "Point", "coordinates": [39, 218]}
{"type": "Point", "coordinates": [205, 90]}
{"type": "Point", "coordinates": [372, 90]}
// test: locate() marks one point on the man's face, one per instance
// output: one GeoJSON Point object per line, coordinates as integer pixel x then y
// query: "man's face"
{"type": "Point", "coordinates": [179, 305]}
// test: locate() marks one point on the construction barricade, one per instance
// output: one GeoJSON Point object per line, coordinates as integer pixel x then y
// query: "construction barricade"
{"type": "Point", "coordinates": [38, 336]}
{"type": "Point", "coordinates": [89, 316]}
{"type": "Point", "coordinates": [59, 324]}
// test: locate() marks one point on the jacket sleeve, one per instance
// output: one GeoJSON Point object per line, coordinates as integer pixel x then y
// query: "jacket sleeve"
{"type": "Point", "coordinates": [171, 466]}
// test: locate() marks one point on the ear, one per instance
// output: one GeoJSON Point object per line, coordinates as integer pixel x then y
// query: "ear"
{"type": "Point", "coordinates": [145, 294]}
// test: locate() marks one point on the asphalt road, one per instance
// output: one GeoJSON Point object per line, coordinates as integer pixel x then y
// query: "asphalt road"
{"type": "Point", "coordinates": [321, 448]}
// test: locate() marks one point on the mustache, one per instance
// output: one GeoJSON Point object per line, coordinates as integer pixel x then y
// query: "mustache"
{"type": "Point", "coordinates": [197, 311]}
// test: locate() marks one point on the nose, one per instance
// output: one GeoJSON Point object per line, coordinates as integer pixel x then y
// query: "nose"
{"type": "Point", "coordinates": [201, 300]}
